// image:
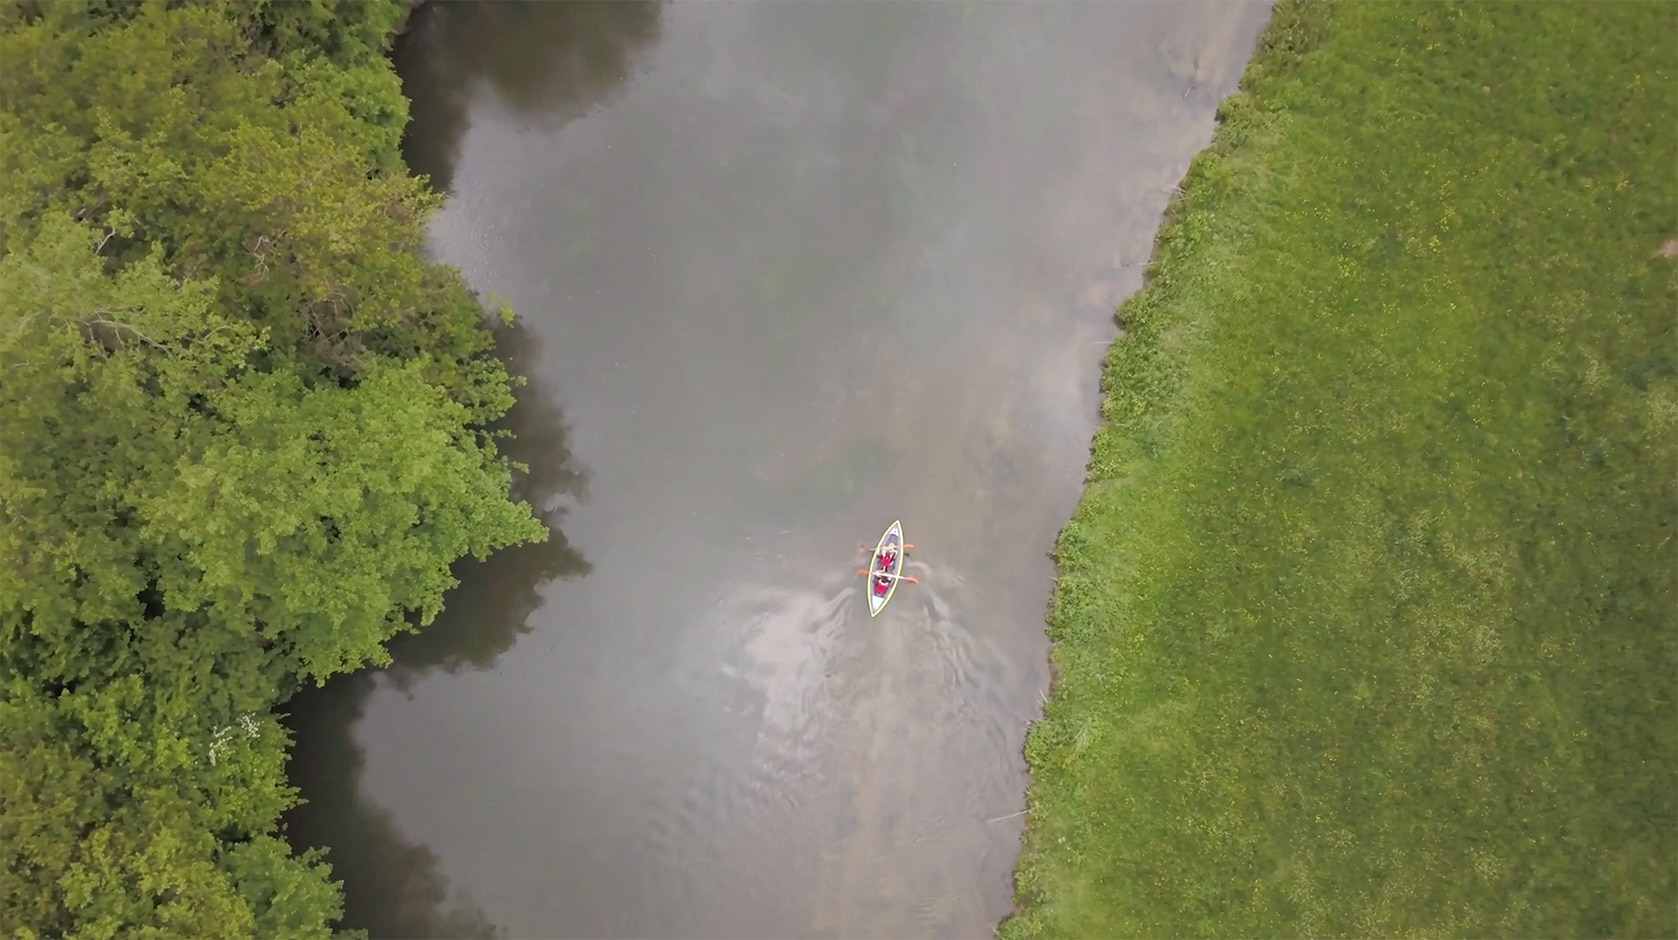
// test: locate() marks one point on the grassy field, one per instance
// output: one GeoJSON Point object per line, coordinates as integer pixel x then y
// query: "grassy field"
{"type": "Point", "coordinates": [1366, 624]}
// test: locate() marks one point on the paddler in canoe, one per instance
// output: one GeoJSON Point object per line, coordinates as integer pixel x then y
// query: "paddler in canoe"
{"type": "Point", "coordinates": [882, 571]}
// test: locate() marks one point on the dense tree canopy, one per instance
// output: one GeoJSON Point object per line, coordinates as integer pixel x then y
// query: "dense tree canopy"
{"type": "Point", "coordinates": [244, 433]}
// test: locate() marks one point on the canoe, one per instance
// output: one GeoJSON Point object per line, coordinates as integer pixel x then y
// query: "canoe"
{"type": "Point", "coordinates": [877, 600]}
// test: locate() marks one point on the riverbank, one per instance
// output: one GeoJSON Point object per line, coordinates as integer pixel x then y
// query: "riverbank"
{"type": "Point", "coordinates": [1365, 624]}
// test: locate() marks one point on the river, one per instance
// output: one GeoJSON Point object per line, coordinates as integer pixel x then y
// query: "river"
{"type": "Point", "coordinates": [787, 272]}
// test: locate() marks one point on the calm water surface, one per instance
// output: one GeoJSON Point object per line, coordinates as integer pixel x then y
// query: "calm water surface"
{"type": "Point", "coordinates": [788, 271]}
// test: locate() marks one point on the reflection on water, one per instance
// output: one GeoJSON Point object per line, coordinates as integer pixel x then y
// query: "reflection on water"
{"type": "Point", "coordinates": [548, 62]}
{"type": "Point", "coordinates": [393, 885]}
{"type": "Point", "coordinates": [486, 614]}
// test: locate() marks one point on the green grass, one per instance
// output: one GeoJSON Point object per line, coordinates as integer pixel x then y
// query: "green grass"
{"type": "Point", "coordinates": [1365, 625]}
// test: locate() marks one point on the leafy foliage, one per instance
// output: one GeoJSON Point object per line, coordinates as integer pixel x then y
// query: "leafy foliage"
{"type": "Point", "coordinates": [242, 441]}
{"type": "Point", "coordinates": [113, 822]}
{"type": "Point", "coordinates": [1367, 623]}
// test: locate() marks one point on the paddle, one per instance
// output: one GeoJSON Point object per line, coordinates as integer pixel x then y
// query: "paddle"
{"type": "Point", "coordinates": [907, 547]}
{"type": "Point", "coordinates": [900, 577]}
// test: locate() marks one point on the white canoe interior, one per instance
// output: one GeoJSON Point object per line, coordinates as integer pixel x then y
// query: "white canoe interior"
{"type": "Point", "coordinates": [893, 536]}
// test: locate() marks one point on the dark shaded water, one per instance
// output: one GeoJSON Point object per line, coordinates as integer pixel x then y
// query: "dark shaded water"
{"type": "Point", "coordinates": [788, 272]}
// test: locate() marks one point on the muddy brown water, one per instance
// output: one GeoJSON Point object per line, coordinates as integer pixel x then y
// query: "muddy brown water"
{"type": "Point", "coordinates": [788, 271]}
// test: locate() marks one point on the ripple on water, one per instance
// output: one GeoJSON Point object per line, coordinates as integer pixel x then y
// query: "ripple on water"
{"type": "Point", "coordinates": [844, 759]}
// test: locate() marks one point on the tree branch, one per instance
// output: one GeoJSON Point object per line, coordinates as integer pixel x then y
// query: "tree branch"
{"type": "Point", "coordinates": [116, 324]}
